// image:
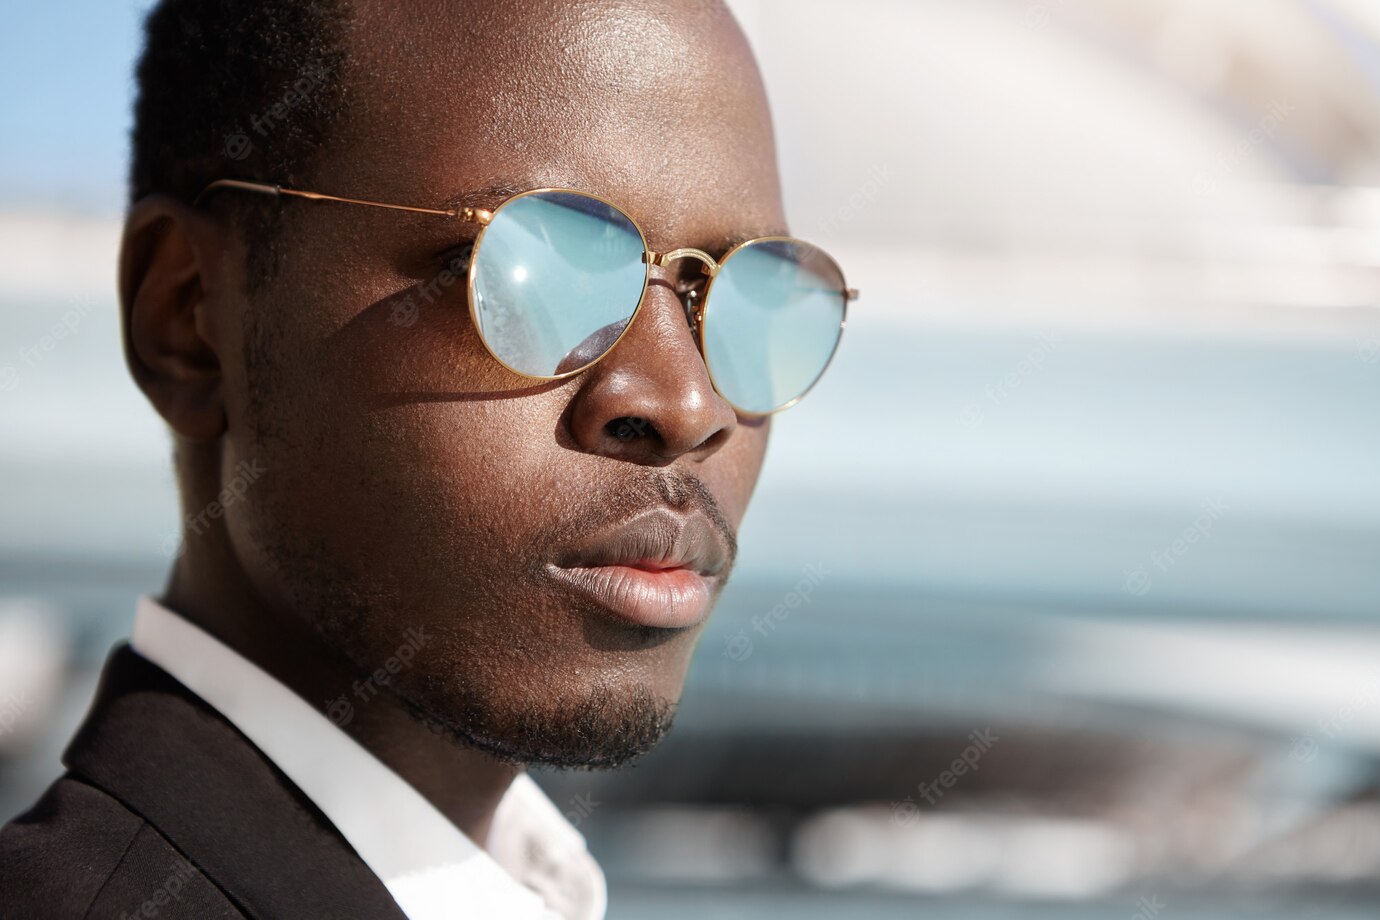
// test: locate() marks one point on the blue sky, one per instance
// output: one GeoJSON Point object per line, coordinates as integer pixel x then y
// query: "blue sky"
{"type": "Point", "coordinates": [67, 73]}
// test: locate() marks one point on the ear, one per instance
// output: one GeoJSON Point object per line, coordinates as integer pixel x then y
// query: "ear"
{"type": "Point", "coordinates": [168, 258]}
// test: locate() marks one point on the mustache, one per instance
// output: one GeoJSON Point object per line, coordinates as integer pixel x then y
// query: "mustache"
{"type": "Point", "coordinates": [680, 492]}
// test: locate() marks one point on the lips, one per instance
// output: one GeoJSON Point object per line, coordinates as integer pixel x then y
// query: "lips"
{"type": "Point", "coordinates": [661, 568]}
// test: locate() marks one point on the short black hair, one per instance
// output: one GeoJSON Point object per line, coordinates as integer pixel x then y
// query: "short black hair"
{"type": "Point", "coordinates": [236, 89]}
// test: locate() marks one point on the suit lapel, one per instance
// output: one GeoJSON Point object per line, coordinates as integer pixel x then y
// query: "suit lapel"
{"type": "Point", "coordinates": [169, 757]}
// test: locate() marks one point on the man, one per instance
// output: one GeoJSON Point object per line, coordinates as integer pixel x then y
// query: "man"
{"type": "Point", "coordinates": [448, 509]}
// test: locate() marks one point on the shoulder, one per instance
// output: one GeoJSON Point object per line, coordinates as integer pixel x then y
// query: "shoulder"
{"type": "Point", "coordinates": [80, 853]}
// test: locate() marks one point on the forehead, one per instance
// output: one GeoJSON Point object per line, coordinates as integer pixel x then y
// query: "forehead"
{"type": "Point", "coordinates": [655, 105]}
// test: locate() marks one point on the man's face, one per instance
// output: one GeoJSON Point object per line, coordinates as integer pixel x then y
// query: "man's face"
{"type": "Point", "coordinates": [410, 481]}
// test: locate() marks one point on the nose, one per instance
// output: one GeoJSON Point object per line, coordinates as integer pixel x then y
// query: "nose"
{"type": "Point", "coordinates": [650, 400]}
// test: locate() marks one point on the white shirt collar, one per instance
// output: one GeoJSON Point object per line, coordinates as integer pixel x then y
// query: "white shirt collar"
{"type": "Point", "coordinates": [428, 864]}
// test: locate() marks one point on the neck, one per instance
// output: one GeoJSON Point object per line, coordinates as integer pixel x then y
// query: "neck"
{"type": "Point", "coordinates": [208, 588]}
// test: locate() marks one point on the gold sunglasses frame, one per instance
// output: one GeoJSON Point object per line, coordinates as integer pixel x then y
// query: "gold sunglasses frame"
{"type": "Point", "coordinates": [484, 217]}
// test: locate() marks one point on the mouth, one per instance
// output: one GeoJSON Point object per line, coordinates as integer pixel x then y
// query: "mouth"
{"type": "Point", "coordinates": [660, 569]}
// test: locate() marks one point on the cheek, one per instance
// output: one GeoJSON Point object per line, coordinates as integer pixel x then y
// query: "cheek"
{"type": "Point", "coordinates": [379, 391]}
{"type": "Point", "coordinates": [469, 475]}
{"type": "Point", "coordinates": [732, 473]}
{"type": "Point", "coordinates": [377, 433]}
{"type": "Point", "coordinates": [393, 447]}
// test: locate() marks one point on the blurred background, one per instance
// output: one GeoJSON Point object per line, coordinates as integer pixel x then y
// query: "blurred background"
{"type": "Point", "coordinates": [1060, 595]}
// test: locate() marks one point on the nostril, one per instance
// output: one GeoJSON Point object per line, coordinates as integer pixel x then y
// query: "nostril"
{"type": "Point", "coordinates": [628, 428]}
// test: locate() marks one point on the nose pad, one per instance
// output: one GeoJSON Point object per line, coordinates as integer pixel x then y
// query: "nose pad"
{"type": "Point", "coordinates": [691, 300]}
{"type": "Point", "coordinates": [694, 312]}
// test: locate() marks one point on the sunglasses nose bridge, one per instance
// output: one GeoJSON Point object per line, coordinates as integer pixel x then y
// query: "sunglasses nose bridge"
{"type": "Point", "coordinates": [690, 300]}
{"type": "Point", "coordinates": [707, 263]}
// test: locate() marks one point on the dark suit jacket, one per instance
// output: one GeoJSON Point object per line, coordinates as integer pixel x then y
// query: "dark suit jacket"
{"type": "Point", "coordinates": [167, 811]}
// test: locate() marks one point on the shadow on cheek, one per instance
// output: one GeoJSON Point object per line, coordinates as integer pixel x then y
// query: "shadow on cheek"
{"type": "Point", "coordinates": [406, 349]}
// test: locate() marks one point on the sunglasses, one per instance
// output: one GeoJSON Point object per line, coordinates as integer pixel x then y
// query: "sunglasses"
{"type": "Point", "coordinates": [557, 276]}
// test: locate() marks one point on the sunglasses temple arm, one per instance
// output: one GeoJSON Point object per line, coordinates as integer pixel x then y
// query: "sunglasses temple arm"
{"type": "Point", "coordinates": [473, 215]}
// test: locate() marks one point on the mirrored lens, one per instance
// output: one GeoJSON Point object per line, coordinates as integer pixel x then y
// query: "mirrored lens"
{"type": "Point", "coordinates": [557, 277]}
{"type": "Point", "coordinates": [772, 319]}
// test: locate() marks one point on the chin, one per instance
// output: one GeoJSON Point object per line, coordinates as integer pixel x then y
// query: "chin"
{"type": "Point", "coordinates": [532, 680]}
{"type": "Point", "coordinates": [538, 720]}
